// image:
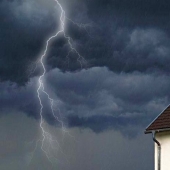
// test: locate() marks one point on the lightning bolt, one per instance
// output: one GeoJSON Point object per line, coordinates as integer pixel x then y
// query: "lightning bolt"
{"type": "Point", "coordinates": [46, 136]}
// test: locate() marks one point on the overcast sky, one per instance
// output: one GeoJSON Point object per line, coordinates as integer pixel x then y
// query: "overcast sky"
{"type": "Point", "coordinates": [105, 103]}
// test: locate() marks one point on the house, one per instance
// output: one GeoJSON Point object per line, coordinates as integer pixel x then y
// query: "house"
{"type": "Point", "coordinates": [160, 129]}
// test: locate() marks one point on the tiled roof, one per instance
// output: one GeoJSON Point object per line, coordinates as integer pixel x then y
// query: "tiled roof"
{"type": "Point", "coordinates": [162, 122]}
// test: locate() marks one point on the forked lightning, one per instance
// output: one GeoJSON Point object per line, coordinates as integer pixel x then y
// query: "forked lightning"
{"type": "Point", "coordinates": [45, 134]}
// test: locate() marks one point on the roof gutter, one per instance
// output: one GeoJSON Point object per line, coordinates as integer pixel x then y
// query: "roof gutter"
{"type": "Point", "coordinates": [159, 150]}
{"type": "Point", "coordinates": [157, 130]}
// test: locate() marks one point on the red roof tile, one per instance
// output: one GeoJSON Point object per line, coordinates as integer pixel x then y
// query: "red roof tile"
{"type": "Point", "coordinates": [162, 122]}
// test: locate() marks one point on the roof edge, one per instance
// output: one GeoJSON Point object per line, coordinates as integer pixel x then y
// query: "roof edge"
{"type": "Point", "coordinates": [157, 117]}
{"type": "Point", "coordinates": [147, 132]}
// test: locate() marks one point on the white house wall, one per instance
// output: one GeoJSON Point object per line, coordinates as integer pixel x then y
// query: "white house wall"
{"type": "Point", "coordinates": [164, 140]}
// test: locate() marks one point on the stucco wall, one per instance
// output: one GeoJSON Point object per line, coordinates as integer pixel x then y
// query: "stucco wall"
{"type": "Point", "coordinates": [164, 139]}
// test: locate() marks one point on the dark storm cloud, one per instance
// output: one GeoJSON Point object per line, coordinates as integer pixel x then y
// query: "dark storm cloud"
{"type": "Point", "coordinates": [99, 82]}
{"type": "Point", "coordinates": [120, 36]}
{"type": "Point", "coordinates": [133, 12]}
{"type": "Point", "coordinates": [129, 126]}
{"type": "Point", "coordinates": [125, 36]}
{"type": "Point", "coordinates": [14, 98]}
{"type": "Point", "coordinates": [95, 98]}
{"type": "Point", "coordinates": [24, 27]}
